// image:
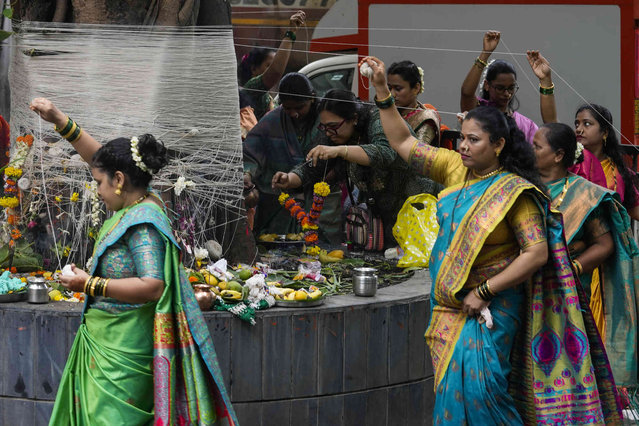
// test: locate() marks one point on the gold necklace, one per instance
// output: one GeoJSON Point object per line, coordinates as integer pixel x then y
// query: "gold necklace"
{"type": "Point", "coordinates": [489, 174]}
{"type": "Point", "coordinates": [560, 199]}
{"type": "Point", "coordinates": [138, 201]}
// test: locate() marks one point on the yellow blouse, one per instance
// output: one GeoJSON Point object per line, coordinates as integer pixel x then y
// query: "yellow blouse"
{"type": "Point", "coordinates": [522, 227]}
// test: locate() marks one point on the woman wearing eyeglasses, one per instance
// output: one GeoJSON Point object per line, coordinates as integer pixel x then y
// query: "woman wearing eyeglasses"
{"type": "Point", "coordinates": [500, 85]}
{"type": "Point", "coordinates": [499, 88]}
{"type": "Point", "coordinates": [280, 141]}
{"type": "Point", "coordinates": [355, 148]}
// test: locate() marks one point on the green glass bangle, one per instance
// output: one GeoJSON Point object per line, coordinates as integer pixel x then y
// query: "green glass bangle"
{"type": "Point", "coordinates": [385, 103]}
{"type": "Point", "coordinates": [66, 128]}
{"type": "Point", "coordinates": [290, 35]}
{"type": "Point", "coordinates": [76, 135]}
{"type": "Point", "coordinates": [547, 90]}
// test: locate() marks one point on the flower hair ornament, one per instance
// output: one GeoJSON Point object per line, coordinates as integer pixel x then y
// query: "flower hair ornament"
{"type": "Point", "coordinates": [578, 152]}
{"type": "Point", "coordinates": [137, 157]}
{"type": "Point", "coordinates": [421, 79]}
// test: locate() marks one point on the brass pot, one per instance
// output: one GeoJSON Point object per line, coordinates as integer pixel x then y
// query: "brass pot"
{"type": "Point", "coordinates": [204, 296]}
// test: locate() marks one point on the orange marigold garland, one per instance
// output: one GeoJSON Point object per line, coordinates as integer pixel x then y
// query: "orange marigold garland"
{"type": "Point", "coordinates": [308, 221]}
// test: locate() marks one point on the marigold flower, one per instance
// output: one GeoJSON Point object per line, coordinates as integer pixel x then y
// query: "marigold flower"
{"type": "Point", "coordinates": [283, 197]}
{"type": "Point", "coordinates": [9, 202]}
{"type": "Point", "coordinates": [28, 139]}
{"type": "Point", "coordinates": [193, 279]}
{"type": "Point", "coordinates": [15, 234]}
{"type": "Point", "coordinates": [58, 198]}
{"type": "Point", "coordinates": [75, 197]}
{"type": "Point", "coordinates": [322, 189]}
{"type": "Point", "coordinates": [311, 237]}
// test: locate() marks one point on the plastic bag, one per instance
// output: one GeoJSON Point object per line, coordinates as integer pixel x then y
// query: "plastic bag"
{"type": "Point", "coordinates": [416, 230]}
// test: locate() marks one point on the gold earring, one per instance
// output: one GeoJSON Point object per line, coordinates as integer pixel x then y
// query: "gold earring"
{"type": "Point", "coordinates": [497, 153]}
{"type": "Point", "coordinates": [604, 139]}
{"type": "Point", "coordinates": [118, 191]}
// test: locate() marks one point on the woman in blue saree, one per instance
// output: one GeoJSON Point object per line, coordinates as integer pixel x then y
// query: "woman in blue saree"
{"type": "Point", "coordinates": [143, 353]}
{"type": "Point", "coordinates": [601, 245]}
{"type": "Point", "coordinates": [500, 251]}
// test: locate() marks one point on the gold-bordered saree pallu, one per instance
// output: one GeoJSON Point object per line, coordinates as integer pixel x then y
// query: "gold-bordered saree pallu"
{"type": "Point", "coordinates": [616, 298]}
{"type": "Point", "coordinates": [557, 372]}
{"type": "Point", "coordinates": [115, 360]}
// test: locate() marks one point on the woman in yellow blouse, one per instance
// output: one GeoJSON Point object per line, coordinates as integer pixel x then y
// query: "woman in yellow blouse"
{"type": "Point", "coordinates": [486, 328]}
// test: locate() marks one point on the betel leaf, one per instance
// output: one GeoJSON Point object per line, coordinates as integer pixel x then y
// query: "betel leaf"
{"type": "Point", "coordinates": [5, 34]}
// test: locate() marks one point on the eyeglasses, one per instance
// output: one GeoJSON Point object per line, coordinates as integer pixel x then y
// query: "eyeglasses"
{"type": "Point", "coordinates": [501, 89]}
{"type": "Point", "coordinates": [331, 130]}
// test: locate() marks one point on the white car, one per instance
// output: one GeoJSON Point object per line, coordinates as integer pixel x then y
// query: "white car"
{"type": "Point", "coordinates": [335, 72]}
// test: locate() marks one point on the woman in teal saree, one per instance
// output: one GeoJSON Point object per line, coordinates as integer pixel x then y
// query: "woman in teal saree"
{"type": "Point", "coordinates": [509, 341]}
{"type": "Point", "coordinates": [143, 353]}
{"type": "Point", "coordinates": [601, 245]}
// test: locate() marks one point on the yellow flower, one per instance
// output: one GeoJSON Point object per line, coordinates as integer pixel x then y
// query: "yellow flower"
{"type": "Point", "coordinates": [313, 251]}
{"type": "Point", "coordinates": [75, 197]}
{"type": "Point", "coordinates": [66, 251]}
{"type": "Point", "coordinates": [283, 197]}
{"type": "Point", "coordinates": [9, 202]}
{"type": "Point", "coordinates": [13, 172]}
{"type": "Point", "coordinates": [308, 226]}
{"type": "Point", "coordinates": [58, 198]}
{"type": "Point", "coordinates": [321, 189]}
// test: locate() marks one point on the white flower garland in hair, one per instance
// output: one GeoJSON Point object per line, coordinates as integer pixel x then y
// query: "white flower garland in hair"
{"type": "Point", "coordinates": [484, 73]}
{"type": "Point", "coordinates": [137, 157]}
{"type": "Point", "coordinates": [421, 79]}
{"type": "Point", "coordinates": [578, 152]}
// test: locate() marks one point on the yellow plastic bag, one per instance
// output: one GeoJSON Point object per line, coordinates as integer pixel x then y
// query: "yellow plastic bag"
{"type": "Point", "coordinates": [416, 230]}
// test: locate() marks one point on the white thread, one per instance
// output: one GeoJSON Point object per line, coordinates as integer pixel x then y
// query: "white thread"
{"type": "Point", "coordinates": [178, 84]}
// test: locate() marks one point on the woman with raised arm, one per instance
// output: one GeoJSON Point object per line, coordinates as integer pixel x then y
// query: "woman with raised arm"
{"type": "Point", "coordinates": [499, 87]}
{"type": "Point", "coordinates": [261, 69]}
{"type": "Point", "coordinates": [601, 245]}
{"type": "Point", "coordinates": [143, 353]}
{"type": "Point", "coordinates": [501, 279]}
{"type": "Point", "coordinates": [406, 82]}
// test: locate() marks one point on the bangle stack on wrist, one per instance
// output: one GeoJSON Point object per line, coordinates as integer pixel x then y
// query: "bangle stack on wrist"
{"type": "Point", "coordinates": [71, 131]}
{"type": "Point", "coordinates": [290, 35]}
{"type": "Point", "coordinates": [385, 103]}
{"type": "Point", "coordinates": [479, 63]}
{"type": "Point", "coordinates": [484, 292]}
{"type": "Point", "coordinates": [547, 90]}
{"type": "Point", "coordinates": [96, 286]}
{"type": "Point", "coordinates": [577, 266]}
{"type": "Point", "coordinates": [345, 156]}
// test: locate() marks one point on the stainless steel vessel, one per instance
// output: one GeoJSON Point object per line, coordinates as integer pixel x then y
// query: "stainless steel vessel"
{"type": "Point", "coordinates": [364, 281]}
{"type": "Point", "coordinates": [37, 290]}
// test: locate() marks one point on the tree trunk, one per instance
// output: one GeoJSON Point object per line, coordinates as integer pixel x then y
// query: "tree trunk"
{"type": "Point", "coordinates": [126, 12]}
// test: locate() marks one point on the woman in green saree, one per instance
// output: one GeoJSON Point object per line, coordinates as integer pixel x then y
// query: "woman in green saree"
{"type": "Point", "coordinates": [143, 353]}
{"type": "Point", "coordinates": [509, 341]}
{"type": "Point", "coordinates": [601, 245]}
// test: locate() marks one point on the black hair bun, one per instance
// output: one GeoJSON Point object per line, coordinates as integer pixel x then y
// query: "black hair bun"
{"type": "Point", "coordinates": [153, 152]}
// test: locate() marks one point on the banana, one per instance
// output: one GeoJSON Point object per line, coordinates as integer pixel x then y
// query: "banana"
{"type": "Point", "coordinates": [316, 294]}
{"type": "Point", "coordinates": [231, 294]}
{"type": "Point", "coordinates": [325, 258]}
{"type": "Point", "coordinates": [337, 254]}
{"type": "Point", "coordinates": [286, 290]}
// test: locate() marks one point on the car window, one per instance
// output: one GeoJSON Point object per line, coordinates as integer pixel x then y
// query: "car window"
{"type": "Point", "coordinates": [334, 79]}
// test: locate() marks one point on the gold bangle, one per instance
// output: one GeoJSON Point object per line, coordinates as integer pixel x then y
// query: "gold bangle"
{"type": "Point", "coordinates": [86, 282]}
{"type": "Point", "coordinates": [345, 156]}
{"type": "Point", "coordinates": [106, 283]}
{"type": "Point", "coordinates": [552, 86]}
{"type": "Point", "coordinates": [578, 266]}
{"type": "Point", "coordinates": [481, 62]}
{"type": "Point", "coordinates": [492, 293]}
{"type": "Point", "coordinates": [92, 289]}
{"type": "Point", "coordinates": [381, 101]}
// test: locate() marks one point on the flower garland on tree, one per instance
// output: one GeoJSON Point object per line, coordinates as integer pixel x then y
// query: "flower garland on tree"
{"type": "Point", "coordinates": [10, 201]}
{"type": "Point", "coordinates": [308, 221]}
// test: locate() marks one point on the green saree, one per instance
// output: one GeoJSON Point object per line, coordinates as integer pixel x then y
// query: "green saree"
{"type": "Point", "coordinates": [142, 364]}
